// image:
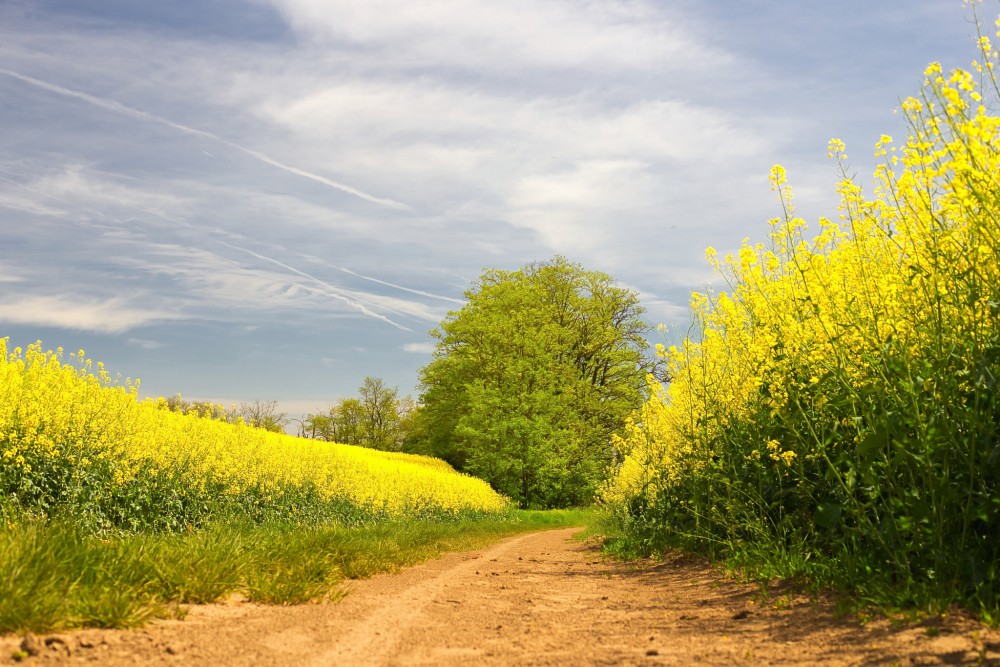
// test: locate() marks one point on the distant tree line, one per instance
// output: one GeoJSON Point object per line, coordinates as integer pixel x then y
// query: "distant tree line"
{"type": "Point", "coordinates": [378, 417]}
{"type": "Point", "coordinates": [259, 414]}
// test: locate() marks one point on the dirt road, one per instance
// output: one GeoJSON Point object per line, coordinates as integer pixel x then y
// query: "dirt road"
{"type": "Point", "coordinates": [538, 599]}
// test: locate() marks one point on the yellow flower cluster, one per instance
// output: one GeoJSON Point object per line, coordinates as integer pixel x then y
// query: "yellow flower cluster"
{"type": "Point", "coordinates": [813, 331]}
{"type": "Point", "coordinates": [74, 421]}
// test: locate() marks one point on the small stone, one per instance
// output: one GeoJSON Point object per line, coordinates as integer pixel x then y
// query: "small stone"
{"type": "Point", "coordinates": [739, 616]}
{"type": "Point", "coordinates": [652, 652]}
{"type": "Point", "coordinates": [57, 644]}
{"type": "Point", "coordinates": [31, 645]}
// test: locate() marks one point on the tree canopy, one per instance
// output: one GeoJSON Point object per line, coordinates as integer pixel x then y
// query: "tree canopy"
{"type": "Point", "coordinates": [531, 378]}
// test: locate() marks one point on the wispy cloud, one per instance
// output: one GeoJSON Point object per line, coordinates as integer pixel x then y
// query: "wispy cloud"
{"type": "Point", "coordinates": [419, 348]}
{"type": "Point", "coordinates": [108, 316]}
{"type": "Point", "coordinates": [492, 36]}
{"type": "Point", "coordinates": [144, 344]}
{"type": "Point", "coordinates": [102, 195]}
{"type": "Point", "coordinates": [569, 210]}
{"type": "Point", "coordinates": [206, 276]}
{"type": "Point", "coordinates": [27, 204]}
{"type": "Point", "coordinates": [10, 278]}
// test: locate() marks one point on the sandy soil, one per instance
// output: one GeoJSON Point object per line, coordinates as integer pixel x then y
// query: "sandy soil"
{"type": "Point", "coordinates": [538, 599]}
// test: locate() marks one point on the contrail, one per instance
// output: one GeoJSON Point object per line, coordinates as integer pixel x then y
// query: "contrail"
{"type": "Point", "coordinates": [118, 107]}
{"type": "Point", "coordinates": [330, 289]}
{"type": "Point", "coordinates": [400, 287]}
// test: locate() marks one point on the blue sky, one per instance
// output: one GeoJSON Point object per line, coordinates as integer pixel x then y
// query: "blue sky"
{"type": "Point", "coordinates": [271, 199]}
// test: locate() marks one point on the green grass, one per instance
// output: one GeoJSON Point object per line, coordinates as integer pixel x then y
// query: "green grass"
{"type": "Point", "coordinates": [54, 575]}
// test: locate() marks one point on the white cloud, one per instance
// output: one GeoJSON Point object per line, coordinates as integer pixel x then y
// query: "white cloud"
{"type": "Point", "coordinates": [144, 344]}
{"type": "Point", "coordinates": [83, 187]}
{"type": "Point", "coordinates": [419, 348]}
{"type": "Point", "coordinates": [109, 316]}
{"type": "Point", "coordinates": [28, 204]}
{"type": "Point", "coordinates": [570, 210]}
{"type": "Point", "coordinates": [10, 278]}
{"type": "Point", "coordinates": [663, 311]}
{"type": "Point", "coordinates": [461, 129]}
{"type": "Point", "coordinates": [481, 34]}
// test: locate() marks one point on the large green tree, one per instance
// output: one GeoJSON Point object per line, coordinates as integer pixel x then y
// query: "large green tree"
{"type": "Point", "coordinates": [531, 378]}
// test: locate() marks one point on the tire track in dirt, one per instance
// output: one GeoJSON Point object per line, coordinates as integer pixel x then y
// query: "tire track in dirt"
{"type": "Point", "coordinates": [538, 599]}
{"type": "Point", "coordinates": [376, 637]}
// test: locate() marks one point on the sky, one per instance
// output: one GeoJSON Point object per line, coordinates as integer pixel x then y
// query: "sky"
{"type": "Point", "coordinates": [241, 200]}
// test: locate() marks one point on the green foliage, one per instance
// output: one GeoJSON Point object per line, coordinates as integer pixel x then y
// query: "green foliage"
{"type": "Point", "coordinates": [378, 418]}
{"type": "Point", "coordinates": [532, 377]}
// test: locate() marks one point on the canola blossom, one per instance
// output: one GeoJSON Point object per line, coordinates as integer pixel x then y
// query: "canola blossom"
{"type": "Point", "coordinates": [841, 395]}
{"type": "Point", "coordinates": [74, 439]}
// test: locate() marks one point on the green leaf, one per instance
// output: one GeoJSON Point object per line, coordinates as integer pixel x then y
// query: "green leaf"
{"type": "Point", "coordinates": [827, 515]}
{"type": "Point", "coordinates": [874, 442]}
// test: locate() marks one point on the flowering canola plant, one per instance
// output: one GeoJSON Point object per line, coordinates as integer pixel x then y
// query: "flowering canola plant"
{"type": "Point", "coordinates": [841, 396]}
{"type": "Point", "coordinates": [74, 439]}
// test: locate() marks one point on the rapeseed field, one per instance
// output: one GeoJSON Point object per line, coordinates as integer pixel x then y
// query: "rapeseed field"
{"type": "Point", "coordinates": [835, 412]}
{"type": "Point", "coordinates": [76, 442]}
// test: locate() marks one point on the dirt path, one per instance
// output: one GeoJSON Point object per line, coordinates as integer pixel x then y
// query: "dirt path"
{"type": "Point", "coordinates": [538, 599]}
